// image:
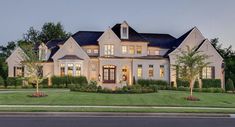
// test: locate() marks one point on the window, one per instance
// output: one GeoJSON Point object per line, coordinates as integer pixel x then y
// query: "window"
{"type": "Point", "coordinates": [62, 69]}
{"type": "Point", "coordinates": [88, 50]}
{"type": "Point", "coordinates": [124, 33]}
{"type": "Point", "coordinates": [42, 54]}
{"type": "Point", "coordinates": [18, 71]}
{"type": "Point", "coordinates": [139, 71]}
{"type": "Point", "coordinates": [96, 51]}
{"type": "Point", "coordinates": [70, 70]}
{"type": "Point", "coordinates": [208, 72]}
{"type": "Point", "coordinates": [139, 50]}
{"type": "Point", "coordinates": [162, 71]}
{"type": "Point", "coordinates": [108, 50]}
{"type": "Point", "coordinates": [124, 49]}
{"type": "Point", "coordinates": [131, 50]}
{"type": "Point", "coordinates": [151, 71]}
{"type": "Point", "coordinates": [157, 52]}
{"type": "Point", "coordinates": [77, 70]}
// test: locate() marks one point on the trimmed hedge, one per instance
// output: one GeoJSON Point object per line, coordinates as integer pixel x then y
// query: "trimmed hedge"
{"type": "Point", "coordinates": [63, 82]}
{"type": "Point", "coordinates": [183, 83]}
{"type": "Point", "coordinates": [14, 81]}
{"type": "Point", "coordinates": [160, 84]}
{"type": "Point", "coordinates": [211, 83]}
{"type": "Point", "coordinates": [206, 83]}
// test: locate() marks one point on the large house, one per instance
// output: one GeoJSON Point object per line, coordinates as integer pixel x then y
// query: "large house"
{"type": "Point", "coordinates": [119, 55]}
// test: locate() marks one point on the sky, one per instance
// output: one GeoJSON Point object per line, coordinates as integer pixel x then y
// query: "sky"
{"type": "Point", "coordinates": [214, 18]}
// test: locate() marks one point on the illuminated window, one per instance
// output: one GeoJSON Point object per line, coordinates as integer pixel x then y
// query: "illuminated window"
{"type": "Point", "coordinates": [77, 70]}
{"type": "Point", "coordinates": [157, 52]}
{"type": "Point", "coordinates": [139, 50]}
{"type": "Point", "coordinates": [96, 51]}
{"type": "Point", "coordinates": [70, 70]}
{"type": "Point", "coordinates": [108, 50]}
{"type": "Point", "coordinates": [131, 50]}
{"type": "Point", "coordinates": [139, 71]}
{"type": "Point", "coordinates": [124, 49]}
{"type": "Point", "coordinates": [162, 71]}
{"type": "Point", "coordinates": [207, 73]}
{"type": "Point", "coordinates": [150, 70]}
{"type": "Point", "coordinates": [62, 69]}
{"type": "Point", "coordinates": [88, 50]}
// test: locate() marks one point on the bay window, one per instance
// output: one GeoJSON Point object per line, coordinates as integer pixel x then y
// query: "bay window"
{"type": "Point", "coordinates": [151, 70]}
{"type": "Point", "coordinates": [77, 70]}
{"type": "Point", "coordinates": [62, 69]}
{"type": "Point", "coordinates": [70, 70]}
{"type": "Point", "coordinates": [139, 50]}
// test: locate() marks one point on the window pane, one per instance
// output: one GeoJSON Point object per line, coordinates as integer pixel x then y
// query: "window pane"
{"type": "Point", "coordinates": [70, 69]}
{"type": "Point", "coordinates": [131, 49]}
{"type": "Point", "coordinates": [19, 71]}
{"type": "Point", "coordinates": [162, 71]}
{"type": "Point", "coordinates": [62, 69]}
{"type": "Point", "coordinates": [108, 49]}
{"type": "Point", "coordinates": [139, 71]}
{"type": "Point", "coordinates": [78, 70]}
{"type": "Point", "coordinates": [139, 49]}
{"type": "Point", "coordinates": [124, 49]}
{"type": "Point", "coordinates": [124, 32]}
{"type": "Point", "coordinates": [151, 70]}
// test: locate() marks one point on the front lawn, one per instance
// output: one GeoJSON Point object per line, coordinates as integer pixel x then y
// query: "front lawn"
{"type": "Point", "coordinates": [162, 98]}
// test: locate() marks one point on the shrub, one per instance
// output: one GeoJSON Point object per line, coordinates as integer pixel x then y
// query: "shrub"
{"type": "Point", "coordinates": [63, 82]}
{"type": "Point", "coordinates": [184, 83]}
{"type": "Point", "coordinates": [14, 81]}
{"type": "Point", "coordinates": [211, 83]}
{"type": "Point", "coordinates": [230, 85]}
{"type": "Point", "coordinates": [161, 84]}
{"type": "Point", "coordinates": [2, 83]}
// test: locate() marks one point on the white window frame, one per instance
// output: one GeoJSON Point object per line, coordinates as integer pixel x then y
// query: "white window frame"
{"type": "Point", "coordinates": [89, 51]}
{"type": "Point", "coordinates": [96, 51]}
{"type": "Point", "coordinates": [109, 50]}
{"type": "Point", "coordinates": [124, 34]}
{"type": "Point", "coordinates": [124, 49]}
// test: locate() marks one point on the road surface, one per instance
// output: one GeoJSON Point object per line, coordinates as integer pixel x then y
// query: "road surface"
{"type": "Point", "coordinates": [113, 121]}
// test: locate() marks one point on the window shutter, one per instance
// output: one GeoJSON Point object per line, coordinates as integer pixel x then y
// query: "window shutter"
{"type": "Point", "coordinates": [23, 71]}
{"type": "Point", "coordinates": [14, 71]}
{"type": "Point", "coordinates": [213, 72]}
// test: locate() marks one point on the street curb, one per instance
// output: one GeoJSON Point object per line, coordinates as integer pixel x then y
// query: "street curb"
{"type": "Point", "coordinates": [112, 114]}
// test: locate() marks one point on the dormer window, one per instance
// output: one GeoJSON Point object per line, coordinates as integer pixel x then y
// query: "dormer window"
{"type": "Point", "coordinates": [42, 54]}
{"type": "Point", "coordinates": [124, 33]}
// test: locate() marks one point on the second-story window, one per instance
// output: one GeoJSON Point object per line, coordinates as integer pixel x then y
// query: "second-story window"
{"type": "Point", "coordinates": [96, 51]}
{"type": "Point", "coordinates": [42, 54]}
{"type": "Point", "coordinates": [139, 50]}
{"type": "Point", "coordinates": [108, 50]}
{"type": "Point", "coordinates": [131, 50]}
{"type": "Point", "coordinates": [157, 52]}
{"type": "Point", "coordinates": [124, 49]}
{"type": "Point", "coordinates": [124, 33]}
{"type": "Point", "coordinates": [88, 50]}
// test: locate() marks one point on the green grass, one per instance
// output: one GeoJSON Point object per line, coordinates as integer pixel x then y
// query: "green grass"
{"type": "Point", "coordinates": [162, 98]}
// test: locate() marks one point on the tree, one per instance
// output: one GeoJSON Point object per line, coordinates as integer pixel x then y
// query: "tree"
{"type": "Point", "coordinates": [52, 31]}
{"type": "Point", "coordinates": [189, 64]}
{"type": "Point", "coordinates": [229, 59]}
{"type": "Point", "coordinates": [32, 66]}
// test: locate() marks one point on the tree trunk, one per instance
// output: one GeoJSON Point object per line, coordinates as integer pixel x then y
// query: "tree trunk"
{"type": "Point", "coordinates": [37, 87]}
{"type": "Point", "coordinates": [191, 86]}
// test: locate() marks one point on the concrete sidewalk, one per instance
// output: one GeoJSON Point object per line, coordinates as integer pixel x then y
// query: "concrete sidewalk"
{"type": "Point", "coordinates": [118, 107]}
{"type": "Point", "coordinates": [113, 114]}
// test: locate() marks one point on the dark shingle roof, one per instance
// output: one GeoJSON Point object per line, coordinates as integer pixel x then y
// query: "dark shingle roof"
{"type": "Point", "coordinates": [87, 37]}
{"type": "Point", "coordinates": [52, 43]}
{"type": "Point", "coordinates": [158, 40]}
{"type": "Point", "coordinates": [133, 35]}
{"type": "Point", "coordinates": [53, 51]}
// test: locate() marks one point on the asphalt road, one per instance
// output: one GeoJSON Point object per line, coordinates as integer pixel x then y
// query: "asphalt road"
{"type": "Point", "coordinates": [28, 121]}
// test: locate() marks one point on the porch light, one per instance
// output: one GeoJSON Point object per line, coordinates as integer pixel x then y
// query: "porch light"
{"type": "Point", "coordinates": [99, 77]}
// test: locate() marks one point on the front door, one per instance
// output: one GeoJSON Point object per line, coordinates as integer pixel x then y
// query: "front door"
{"type": "Point", "coordinates": [109, 74]}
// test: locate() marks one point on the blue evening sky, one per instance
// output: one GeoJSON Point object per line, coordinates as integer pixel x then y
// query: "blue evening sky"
{"type": "Point", "coordinates": [214, 18]}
